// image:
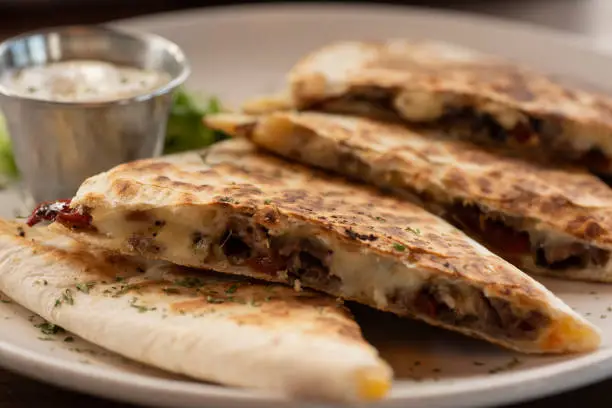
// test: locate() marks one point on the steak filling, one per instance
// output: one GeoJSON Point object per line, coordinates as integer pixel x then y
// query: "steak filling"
{"type": "Point", "coordinates": [301, 258]}
{"type": "Point", "coordinates": [308, 260]}
{"type": "Point", "coordinates": [509, 242]}
{"type": "Point", "coordinates": [380, 103]}
{"type": "Point", "coordinates": [464, 306]}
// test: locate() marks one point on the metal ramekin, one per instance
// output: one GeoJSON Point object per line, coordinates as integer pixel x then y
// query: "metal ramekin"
{"type": "Point", "coordinates": [59, 144]}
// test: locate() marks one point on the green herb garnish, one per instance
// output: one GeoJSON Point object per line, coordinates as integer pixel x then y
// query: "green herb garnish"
{"type": "Point", "coordinates": [186, 130]}
{"type": "Point", "coordinates": [399, 247]}
{"type": "Point", "coordinates": [49, 328]}
{"type": "Point", "coordinates": [65, 298]}
{"type": "Point", "coordinates": [415, 231]}
{"type": "Point", "coordinates": [8, 168]}
{"type": "Point", "coordinates": [232, 289]}
{"type": "Point", "coordinates": [85, 287]}
{"type": "Point", "coordinates": [140, 308]}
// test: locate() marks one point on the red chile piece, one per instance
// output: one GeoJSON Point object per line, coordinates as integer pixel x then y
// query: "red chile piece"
{"type": "Point", "coordinates": [61, 212]}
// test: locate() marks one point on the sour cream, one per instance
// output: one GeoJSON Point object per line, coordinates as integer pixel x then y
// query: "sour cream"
{"type": "Point", "coordinates": [82, 81]}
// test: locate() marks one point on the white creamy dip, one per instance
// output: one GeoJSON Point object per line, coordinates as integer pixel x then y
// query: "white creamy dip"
{"type": "Point", "coordinates": [82, 81]}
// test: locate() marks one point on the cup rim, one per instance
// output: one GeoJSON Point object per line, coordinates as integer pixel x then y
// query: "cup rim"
{"type": "Point", "coordinates": [166, 87]}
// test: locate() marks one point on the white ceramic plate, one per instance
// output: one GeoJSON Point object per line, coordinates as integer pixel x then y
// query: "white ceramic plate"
{"type": "Point", "coordinates": [242, 51]}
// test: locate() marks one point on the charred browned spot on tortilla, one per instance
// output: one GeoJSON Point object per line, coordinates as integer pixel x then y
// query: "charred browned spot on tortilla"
{"type": "Point", "coordinates": [553, 205]}
{"type": "Point", "coordinates": [357, 236]}
{"type": "Point", "coordinates": [517, 88]}
{"type": "Point", "coordinates": [457, 180]}
{"type": "Point", "coordinates": [579, 222]}
{"type": "Point", "coordinates": [125, 188]}
{"type": "Point", "coordinates": [154, 166]}
{"type": "Point", "coordinates": [161, 179]}
{"type": "Point", "coordinates": [192, 305]}
{"type": "Point", "coordinates": [187, 198]}
{"type": "Point", "coordinates": [593, 230]}
{"type": "Point", "coordinates": [252, 320]}
{"type": "Point", "coordinates": [203, 187]}
{"type": "Point", "coordinates": [182, 185]}
{"type": "Point", "coordinates": [245, 190]}
{"type": "Point", "coordinates": [485, 185]}
{"type": "Point", "coordinates": [291, 196]}
{"type": "Point", "coordinates": [143, 245]}
{"type": "Point", "coordinates": [208, 172]}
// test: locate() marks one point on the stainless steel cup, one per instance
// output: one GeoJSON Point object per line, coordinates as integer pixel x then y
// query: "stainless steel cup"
{"type": "Point", "coordinates": [59, 144]}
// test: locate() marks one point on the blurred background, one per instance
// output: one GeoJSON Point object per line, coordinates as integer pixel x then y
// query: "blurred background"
{"type": "Point", "coordinates": [591, 17]}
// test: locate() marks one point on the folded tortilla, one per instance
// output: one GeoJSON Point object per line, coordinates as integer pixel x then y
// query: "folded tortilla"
{"type": "Point", "coordinates": [236, 210]}
{"type": "Point", "coordinates": [208, 326]}
{"type": "Point", "coordinates": [544, 219]}
{"type": "Point", "coordinates": [474, 95]}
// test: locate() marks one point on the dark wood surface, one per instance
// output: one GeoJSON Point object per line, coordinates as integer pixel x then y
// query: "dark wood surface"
{"type": "Point", "coordinates": [17, 391]}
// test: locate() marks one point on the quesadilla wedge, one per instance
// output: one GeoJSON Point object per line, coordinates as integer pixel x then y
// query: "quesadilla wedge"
{"type": "Point", "coordinates": [235, 210]}
{"type": "Point", "coordinates": [544, 219]}
{"type": "Point", "coordinates": [468, 93]}
{"type": "Point", "coordinates": [208, 326]}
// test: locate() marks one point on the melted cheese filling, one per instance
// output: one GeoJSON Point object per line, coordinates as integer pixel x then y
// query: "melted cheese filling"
{"type": "Point", "coordinates": [198, 237]}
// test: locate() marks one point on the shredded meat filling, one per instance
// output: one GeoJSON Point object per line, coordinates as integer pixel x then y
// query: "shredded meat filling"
{"type": "Point", "coordinates": [508, 241]}
{"type": "Point", "coordinates": [306, 259]}
{"type": "Point", "coordinates": [523, 132]}
{"type": "Point", "coordinates": [468, 308]}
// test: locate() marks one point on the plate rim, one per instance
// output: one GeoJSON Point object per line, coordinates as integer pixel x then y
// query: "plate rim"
{"type": "Point", "coordinates": [585, 369]}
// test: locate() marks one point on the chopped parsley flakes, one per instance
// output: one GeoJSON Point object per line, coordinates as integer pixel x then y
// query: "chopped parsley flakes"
{"type": "Point", "coordinates": [65, 298]}
{"type": "Point", "coordinates": [232, 289]}
{"type": "Point", "coordinates": [49, 328]}
{"type": "Point", "coordinates": [141, 308]}
{"type": "Point", "coordinates": [399, 247]}
{"type": "Point", "coordinates": [85, 287]}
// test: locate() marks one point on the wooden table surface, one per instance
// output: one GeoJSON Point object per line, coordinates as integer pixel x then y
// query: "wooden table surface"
{"type": "Point", "coordinates": [591, 17]}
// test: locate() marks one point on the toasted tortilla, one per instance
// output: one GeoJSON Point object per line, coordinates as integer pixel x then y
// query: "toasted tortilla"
{"type": "Point", "coordinates": [481, 97]}
{"type": "Point", "coordinates": [236, 210]}
{"type": "Point", "coordinates": [554, 220]}
{"type": "Point", "coordinates": [208, 326]}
